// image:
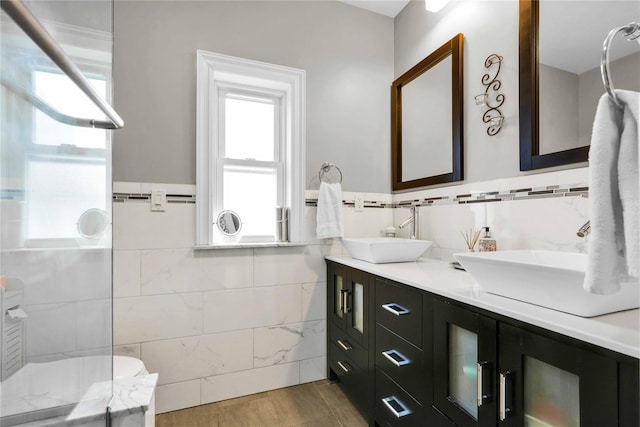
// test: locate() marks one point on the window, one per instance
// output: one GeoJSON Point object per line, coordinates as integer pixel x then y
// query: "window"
{"type": "Point", "coordinates": [65, 165]}
{"type": "Point", "coordinates": [250, 147]}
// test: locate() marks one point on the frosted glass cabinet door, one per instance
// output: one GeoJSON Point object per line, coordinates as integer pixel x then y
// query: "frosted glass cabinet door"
{"type": "Point", "coordinates": [547, 383]}
{"type": "Point", "coordinates": [359, 305]}
{"type": "Point", "coordinates": [337, 294]}
{"type": "Point", "coordinates": [464, 365]}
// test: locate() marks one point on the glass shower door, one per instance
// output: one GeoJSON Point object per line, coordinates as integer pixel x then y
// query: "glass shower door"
{"type": "Point", "coordinates": [55, 221]}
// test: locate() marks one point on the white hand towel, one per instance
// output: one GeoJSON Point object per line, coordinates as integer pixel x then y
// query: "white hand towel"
{"type": "Point", "coordinates": [614, 209]}
{"type": "Point", "coordinates": [329, 217]}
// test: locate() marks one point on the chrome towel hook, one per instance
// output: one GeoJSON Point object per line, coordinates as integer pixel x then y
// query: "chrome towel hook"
{"type": "Point", "coordinates": [326, 167]}
{"type": "Point", "coordinates": [631, 32]}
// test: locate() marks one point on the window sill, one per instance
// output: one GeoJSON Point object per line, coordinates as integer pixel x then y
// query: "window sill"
{"type": "Point", "coordinates": [249, 245]}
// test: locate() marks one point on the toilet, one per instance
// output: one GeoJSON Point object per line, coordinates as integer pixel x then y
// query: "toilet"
{"type": "Point", "coordinates": [129, 367]}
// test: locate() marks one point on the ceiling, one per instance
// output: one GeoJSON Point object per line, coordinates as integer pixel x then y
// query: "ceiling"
{"type": "Point", "coordinates": [388, 8]}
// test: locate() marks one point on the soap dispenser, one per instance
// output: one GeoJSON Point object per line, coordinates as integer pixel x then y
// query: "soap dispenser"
{"type": "Point", "coordinates": [486, 243]}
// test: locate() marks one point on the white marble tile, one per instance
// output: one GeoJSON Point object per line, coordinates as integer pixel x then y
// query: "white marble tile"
{"type": "Point", "coordinates": [288, 343]}
{"type": "Point", "coordinates": [185, 270]}
{"type": "Point", "coordinates": [94, 324]}
{"type": "Point", "coordinates": [171, 397]}
{"type": "Point", "coordinates": [371, 222]}
{"type": "Point", "coordinates": [539, 224]}
{"type": "Point", "coordinates": [222, 387]}
{"type": "Point", "coordinates": [131, 350]}
{"type": "Point", "coordinates": [201, 356]}
{"type": "Point", "coordinates": [314, 301]}
{"type": "Point", "coordinates": [236, 309]}
{"type": "Point", "coordinates": [50, 329]}
{"type": "Point", "coordinates": [283, 266]}
{"type": "Point", "coordinates": [313, 369]}
{"type": "Point", "coordinates": [126, 273]}
{"type": "Point", "coordinates": [136, 227]}
{"type": "Point", "coordinates": [148, 318]}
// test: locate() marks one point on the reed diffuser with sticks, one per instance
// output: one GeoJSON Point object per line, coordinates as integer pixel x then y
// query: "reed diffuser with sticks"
{"type": "Point", "coordinates": [471, 238]}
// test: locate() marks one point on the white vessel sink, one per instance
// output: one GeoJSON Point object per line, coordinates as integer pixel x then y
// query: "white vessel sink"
{"type": "Point", "coordinates": [380, 250]}
{"type": "Point", "coordinates": [546, 278]}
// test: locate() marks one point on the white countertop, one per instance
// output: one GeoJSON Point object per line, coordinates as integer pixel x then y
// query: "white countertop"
{"type": "Point", "coordinates": [619, 332]}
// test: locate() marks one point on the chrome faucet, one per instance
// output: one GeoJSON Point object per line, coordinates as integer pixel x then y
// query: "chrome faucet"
{"type": "Point", "coordinates": [413, 220]}
{"type": "Point", "coordinates": [584, 230]}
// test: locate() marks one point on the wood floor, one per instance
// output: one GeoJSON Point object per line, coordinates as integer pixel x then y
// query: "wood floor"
{"type": "Point", "coordinates": [317, 404]}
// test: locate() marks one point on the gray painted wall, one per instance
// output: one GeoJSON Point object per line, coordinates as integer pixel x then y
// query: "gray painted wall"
{"type": "Point", "coordinates": [488, 27]}
{"type": "Point", "coordinates": [347, 53]}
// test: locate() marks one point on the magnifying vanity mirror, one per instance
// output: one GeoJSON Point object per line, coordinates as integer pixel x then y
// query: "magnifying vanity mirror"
{"type": "Point", "coordinates": [426, 120]}
{"type": "Point", "coordinates": [229, 223]}
{"type": "Point", "coordinates": [560, 46]}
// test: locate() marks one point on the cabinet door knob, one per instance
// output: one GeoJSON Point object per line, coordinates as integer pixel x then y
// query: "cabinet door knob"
{"type": "Point", "coordinates": [345, 345]}
{"type": "Point", "coordinates": [396, 309]}
{"type": "Point", "coordinates": [395, 357]}
{"type": "Point", "coordinates": [396, 407]}
{"type": "Point", "coordinates": [504, 411]}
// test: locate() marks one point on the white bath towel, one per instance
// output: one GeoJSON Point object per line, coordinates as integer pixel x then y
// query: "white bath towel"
{"type": "Point", "coordinates": [613, 196]}
{"type": "Point", "coordinates": [329, 217]}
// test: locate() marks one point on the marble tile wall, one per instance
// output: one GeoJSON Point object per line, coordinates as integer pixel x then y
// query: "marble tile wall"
{"type": "Point", "coordinates": [218, 324]}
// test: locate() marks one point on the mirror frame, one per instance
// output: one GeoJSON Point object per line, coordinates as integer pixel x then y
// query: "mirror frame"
{"type": "Point", "coordinates": [454, 48]}
{"type": "Point", "coordinates": [530, 157]}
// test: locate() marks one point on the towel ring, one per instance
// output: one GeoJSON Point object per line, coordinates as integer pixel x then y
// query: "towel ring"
{"type": "Point", "coordinates": [631, 32]}
{"type": "Point", "coordinates": [326, 167]}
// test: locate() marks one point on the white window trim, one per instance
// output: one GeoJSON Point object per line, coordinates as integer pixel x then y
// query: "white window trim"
{"type": "Point", "coordinates": [216, 70]}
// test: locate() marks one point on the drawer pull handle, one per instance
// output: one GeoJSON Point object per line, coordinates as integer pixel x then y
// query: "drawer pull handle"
{"type": "Point", "coordinates": [396, 309]}
{"type": "Point", "coordinates": [504, 410]}
{"type": "Point", "coordinates": [396, 358]}
{"type": "Point", "coordinates": [345, 345]}
{"type": "Point", "coordinates": [345, 366]}
{"type": "Point", "coordinates": [396, 407]}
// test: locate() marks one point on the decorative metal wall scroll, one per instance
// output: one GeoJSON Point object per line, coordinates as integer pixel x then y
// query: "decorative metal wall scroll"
{"type": "Point", "coordinates": [494, 100]}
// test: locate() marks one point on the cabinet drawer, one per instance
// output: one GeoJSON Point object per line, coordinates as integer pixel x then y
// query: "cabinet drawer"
{"type": "Point", "coordinates": [353, 380]}
{"type": "Point", "coordinates": [399, 309]}
{"type": "Point", "coordinates": [394, 407]}
{"type": "Point", "coordinates": [349, 347]}
{"type": "Point", "coordinates": [402, 361]}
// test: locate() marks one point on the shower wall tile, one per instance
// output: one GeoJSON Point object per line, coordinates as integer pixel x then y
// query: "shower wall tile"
{"type": "Point", "coordinates": [282, 266]}
{"type": "Point", "coordinates": [232, 310]}
{"type": "Point", "coordinates": [126, 273]}
{"type": "Point", "coordinates": [136, 227]}
{"type": "Point", "coordinates": [148, 318]}
{"type": "Point", "coordinates": [94, 324]}
{"type": "Point", "coordinates": [313, 369]}
{"type": "Point", "coordinates": [222, 387]}
{"type": "Point", "coordinates": [314, 301]}
{"type": "Point", "coordinates": [288, 343]}
{"type": "Point", "coordinates": [200, 356]}
{"type": "Point", "coordinates": [45, 337]}
{"type": "Point", "coordinates": [184, 270]}
{"type": "Point", "coordinates": [171, 397]}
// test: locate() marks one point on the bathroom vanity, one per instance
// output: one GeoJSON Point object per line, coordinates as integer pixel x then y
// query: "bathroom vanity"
{"type": "Point", "coordinates": [419, 344]}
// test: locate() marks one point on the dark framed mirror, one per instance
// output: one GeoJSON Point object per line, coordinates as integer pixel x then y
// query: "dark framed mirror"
{"type": "Point", "coordinates": [426, 120]}
{"type": "Point", "coordinates": [560, 80]}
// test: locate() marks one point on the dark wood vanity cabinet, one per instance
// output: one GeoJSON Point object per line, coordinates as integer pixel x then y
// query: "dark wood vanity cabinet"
{"type": "Point", "coordinates": [350, 332]}
{"type": "Point", "coordinates": [429, 361]}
